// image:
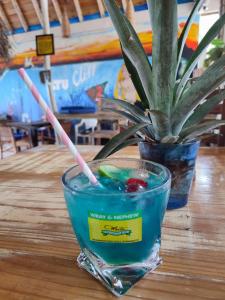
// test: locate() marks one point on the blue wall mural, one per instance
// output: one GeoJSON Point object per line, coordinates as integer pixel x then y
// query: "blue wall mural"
{"type": "Point", "coordinates": [71, 84]}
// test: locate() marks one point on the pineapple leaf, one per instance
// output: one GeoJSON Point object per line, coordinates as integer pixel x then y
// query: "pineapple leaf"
{"type": "Point", "coordinates": [169, 139]}
{"type": "Point", "coordinates": [164, 51]}
{"type": "Point", "coordinates": [148, 130]}
{"type": "Point", "coordinates": [194, 131]}
{"type": "Point", "coordinates": [135, 79]}
{"type": "Point", "coordinates": [131, 117]}
{"type": "Point", "coordinates": [118, 140]}
{"type": "Point", "coordinates": [128, 142]}
{"type": "Point", "coordinates": [134, 110]}
{"type": "Point", "coordinates": [202, 87]}
{"type": "Point", "coordinates": [200, 137]}
{"type": "Point", "coordinates": [210, 35]}
{"type": "Point", "coordinates": [203, 109]}
{"type": "Point", "coordinates": [160, 123]}
{"type": "Point", "coordinates": [185, 31]}
{"type": "Point", "coordinates": [132, 47]}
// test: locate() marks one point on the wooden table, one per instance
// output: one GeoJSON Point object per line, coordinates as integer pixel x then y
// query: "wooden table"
{"type": "Point", "coordinates": [31, 127]}
{"type": "Point", "coordinates": [100, 115]}
{"type": "Point", "coordinates": [38, 247]}
{"type": "Point", "coordinates": [97, 135]}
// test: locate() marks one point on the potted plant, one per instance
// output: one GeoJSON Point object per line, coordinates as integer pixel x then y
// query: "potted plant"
{"type": "Point", "coordinates": [171, 119]}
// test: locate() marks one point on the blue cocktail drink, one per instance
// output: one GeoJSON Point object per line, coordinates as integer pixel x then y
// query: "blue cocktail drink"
{"type": "Point", "coordinates": [118, 223]}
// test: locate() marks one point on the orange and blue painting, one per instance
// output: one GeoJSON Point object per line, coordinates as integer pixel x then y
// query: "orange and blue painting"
{"type": "Point", "coordinates": [98, 42]}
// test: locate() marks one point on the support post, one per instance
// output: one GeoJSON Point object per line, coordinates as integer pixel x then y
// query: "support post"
{"type": "Point", "coordinates": [47, 61]}
{"type": "Point", "coordinates": [47, 58]}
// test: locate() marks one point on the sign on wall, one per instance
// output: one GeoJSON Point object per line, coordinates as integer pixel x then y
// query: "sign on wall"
{"type": "Point", "coordinates": [45, 44]}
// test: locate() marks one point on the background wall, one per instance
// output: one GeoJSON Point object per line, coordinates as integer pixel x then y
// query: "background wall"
{"type": "Point", "coordinates": [90, 59]}
{"type": "Point", "coordinates": [209, 14]}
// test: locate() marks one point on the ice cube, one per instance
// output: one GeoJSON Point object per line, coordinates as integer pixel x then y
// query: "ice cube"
{"type": "Point", "coordinates": [140, 173]}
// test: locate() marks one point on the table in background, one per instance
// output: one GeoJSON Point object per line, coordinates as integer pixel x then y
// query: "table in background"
{"type": "Point", "coordinates": [99, 115]}
{"type": "Point", "coordinates": [31, 128]}
{"type": "Point", "coordinates": [103, 118]}
{"type": "Point", "coordinates": [38, 249]}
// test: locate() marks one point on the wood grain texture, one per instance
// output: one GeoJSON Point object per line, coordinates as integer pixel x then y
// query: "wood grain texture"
{"type": "Point", "coordinates": [38, 248]}
{"type": "Point", "coordinates": [100, 115]}
{"type": "Point", "coordinates": [76, 8]}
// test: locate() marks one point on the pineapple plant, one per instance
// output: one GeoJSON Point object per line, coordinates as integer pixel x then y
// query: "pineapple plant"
{"type": "Point", "coordinates": [173, 110]}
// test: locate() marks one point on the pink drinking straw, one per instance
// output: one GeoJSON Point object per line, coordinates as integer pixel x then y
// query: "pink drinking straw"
{"type": "Point", "coordinates": [58, 128]}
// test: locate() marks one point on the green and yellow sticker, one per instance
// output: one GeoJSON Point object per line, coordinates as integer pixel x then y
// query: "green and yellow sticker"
{"type": "Point", "coordinates": [116, 228]}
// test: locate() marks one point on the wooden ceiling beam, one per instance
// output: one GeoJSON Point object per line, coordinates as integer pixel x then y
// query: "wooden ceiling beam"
{"type": "Point", "coordinates": [20, 14]}
{"type": "Point", "coordinates": [124, 4]}
{"type": "Point", "coordinates": [57, 10]}
{"type": "Point", "coordinates": [4, 18]}
{"type": "Point", "coordinates": [78, 10]}
{"type": "Point", "coordinates": [101, 8]}
{"type": "Point", "coordinates": [37, 11]}
{"type": "Point", "coordinates": [65, 18]}
{"type": "Point", "coordinates": [66, 22]}
{"type": "Point", "coordinates": [130, 12]}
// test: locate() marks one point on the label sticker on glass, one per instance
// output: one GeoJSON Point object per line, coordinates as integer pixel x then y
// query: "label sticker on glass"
{"type": "Point", "coordinates": [117, 228]}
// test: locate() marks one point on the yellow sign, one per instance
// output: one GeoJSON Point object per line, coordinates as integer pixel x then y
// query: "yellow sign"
{"type": "Point", "coordinates": [116, 228]}
{"type": "Point", "coordinates": [45, 44]}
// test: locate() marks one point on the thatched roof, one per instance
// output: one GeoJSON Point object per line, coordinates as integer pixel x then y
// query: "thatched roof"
{"type": "Point", "coordinates": [4, 43]}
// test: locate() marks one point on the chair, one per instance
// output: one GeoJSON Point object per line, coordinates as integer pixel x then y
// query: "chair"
{"type": "Point", "coordinates": [84, 130]}
{"type": "Point", "coordinates": [46, 135]}
{"type": "Point", "coordinates": [8, 142]}
{"type": "Point", "coordinates": [106, 130]}
{"type": "Point", "coordinates": [66, 125]}
{"type": "Point", "coordinates": [219, 138]}
{"type": "Point", "coordinates": [218, 112]}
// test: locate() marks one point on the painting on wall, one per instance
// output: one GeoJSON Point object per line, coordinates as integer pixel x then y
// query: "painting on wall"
{"type": "Point", "coordinates": [91, 41]}
{"type": "Point", "coordinates": [74, 85]}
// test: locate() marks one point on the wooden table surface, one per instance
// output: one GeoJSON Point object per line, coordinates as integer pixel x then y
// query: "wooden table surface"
{"type": "Point", "coordinates": [38, 248]}
{"type": "Point", "coordinates": [28, 125]}
{"type": "Point", "coordinates": [100, 115]}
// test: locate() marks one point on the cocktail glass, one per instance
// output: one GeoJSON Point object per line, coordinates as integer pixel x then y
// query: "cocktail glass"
{"type": "Point", "coordinates": [119, 233]}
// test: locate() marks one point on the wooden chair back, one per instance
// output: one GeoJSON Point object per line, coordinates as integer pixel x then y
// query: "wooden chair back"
{"type": "Point", "coordinates": [219, 138]}
{"type": "Point", "coordinates": [7, 141]}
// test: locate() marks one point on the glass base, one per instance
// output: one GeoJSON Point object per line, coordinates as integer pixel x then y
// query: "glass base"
{"type": "Point", "coordinates": [118, 278]}
{"type": "Point", "coordinates": [177, 201]}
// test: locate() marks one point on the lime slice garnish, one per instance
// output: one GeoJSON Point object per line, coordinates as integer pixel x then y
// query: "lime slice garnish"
{"type": "Point", "coordinates": [113, 172]}
{"type": "Point", "coordinates": [109, 171]}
